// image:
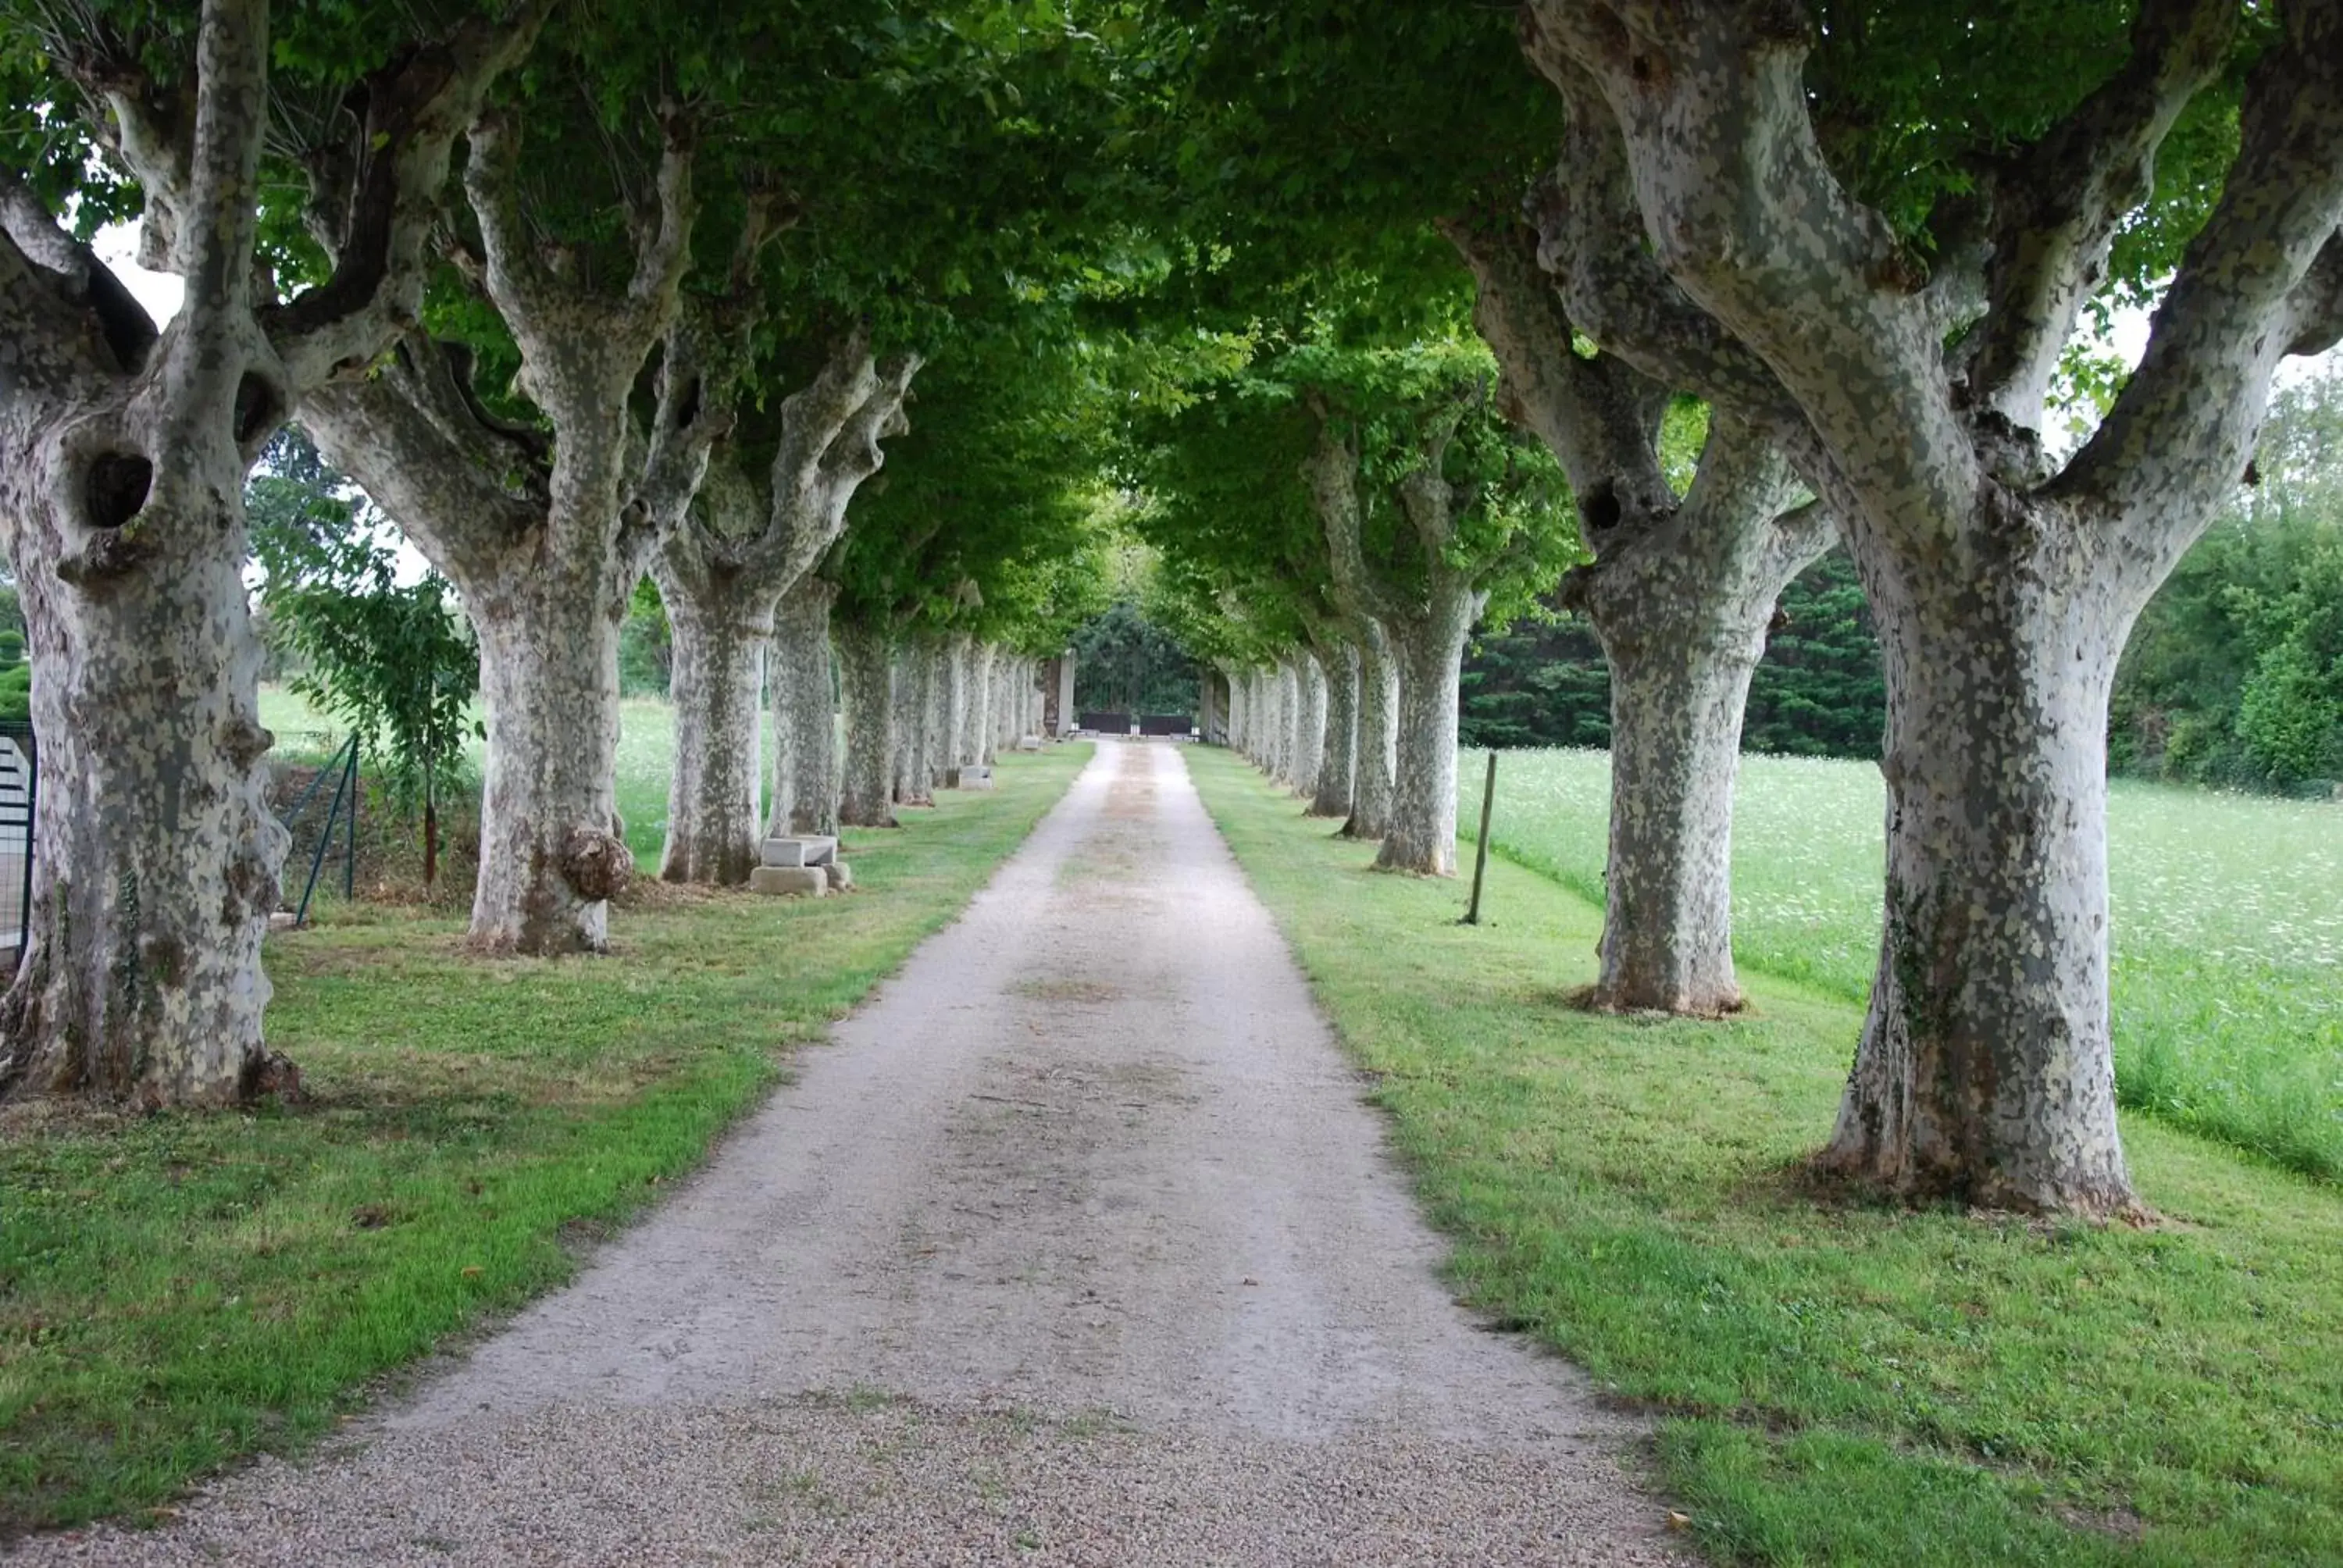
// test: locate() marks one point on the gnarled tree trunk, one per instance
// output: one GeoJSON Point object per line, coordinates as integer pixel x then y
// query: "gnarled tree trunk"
{"type": "Point", "coordinates": [805, 717]}
{"type": "Point", "coordinates": [550, 851]}
{"type": "Point", "coordinates": [1309, 722]}
{"type": "Point", "coordinates": [1421, 837]}
{"type": "Point", "coordinates": [865, 669]}
{"type": "Point", "coordinates": [976, 740]}
{"type": "Point", "coordinates": [1379, 687]}
{"type": "Point", "coordinates": [155, 857]}
{"type": "Point", "coordinates": [1338, 751]}
{"type": "Point", "coordinates": [1985, 1071]}
{"type": "Point", "coordinates": [711, 804]}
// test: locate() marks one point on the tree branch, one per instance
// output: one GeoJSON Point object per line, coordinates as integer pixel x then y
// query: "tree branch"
{"type": "Point", "coordinates": [1331, 472]}
{"type": "Point", "coordinates": [74, 275]}
{"type": "Point", "coordinates": [1743, 211]}
{"type": "Point", "coordinates": [2056, 205]}
{"type": "Point", "coordinates": [663, 236]}
{"type": "Point", "coordinates": [516, 279]}
{"type": "Point", "coordinates": [2258, 280]}
{"type": "Point", "coordinates": [375, 192]}
{"type": "Point", "coordinates": [222, 213]}
{"type": "Point", "coordinates": [467, 488]}
{"type": "Point", "coordinates": [1600, 416]}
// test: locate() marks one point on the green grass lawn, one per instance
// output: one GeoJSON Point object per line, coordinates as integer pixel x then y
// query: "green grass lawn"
{"type": "Point", "coordinates": [646, 755]}
{"type": "Point", "coordinates": [2227, 939]}
{"type": "Point", "coordinates": [177, 1291]}
{"type": "Point", "coordinates": [1834, 1384]}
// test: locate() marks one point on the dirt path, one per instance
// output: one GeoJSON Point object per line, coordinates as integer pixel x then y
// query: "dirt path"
{"type": "Point", "coordinates": [1077, 1247]}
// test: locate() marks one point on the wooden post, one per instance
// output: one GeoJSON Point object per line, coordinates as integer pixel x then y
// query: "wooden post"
{"type": "Point", "coordinates": [1481, 844]}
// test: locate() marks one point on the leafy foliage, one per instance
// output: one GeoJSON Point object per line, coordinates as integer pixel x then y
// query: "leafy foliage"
{"type": "Point", "coordinates": [2235, 673]}
{"type": "Point", "coordinates": [393, 662]}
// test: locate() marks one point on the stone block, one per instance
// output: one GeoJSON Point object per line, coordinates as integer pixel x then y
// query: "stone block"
{"type": "Point", "coordinates": [842, 875]}
{"type": "Point", "coordinates": [800, 850]}
{"type": "Point", "coordinates": [1029, 743]}
{"type": "Point", "coordinates": [975, 776]}
{"type": "Point", "coordinates": [804, 881]}
{"type": "Point", "coordinates": [281, 919]}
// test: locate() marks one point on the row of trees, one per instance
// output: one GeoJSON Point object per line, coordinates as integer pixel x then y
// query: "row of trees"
{"type": "Point", "coordinates": [1795, 276]}
{"type": "Point", "coordinates": [571, 304]}
{"type": "Point", "coordinates": [1402, 312]}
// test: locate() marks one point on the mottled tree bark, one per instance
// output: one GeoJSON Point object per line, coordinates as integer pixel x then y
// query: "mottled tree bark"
{"type": "Point", "coordinates": [916, 708]}
{"type": "Point", "coordinates": [1679, 594]}
{"type": "Point", "coordinates": [805, 716]}
{"type": "Point", "coordinates": [544, 541]}
{"type": "Point", "coordinates": [976, 737]}
{"type": "Point", "coordinates": [711, 803]}
{"type": "Point", "coordinates": [1425, 619]}
{"type": "Point", "coordinates": [729, 547]}
{"type": "Point", "coordinates": [2003, 588]}
{"type": "Point", "coordinates": [1309, 722]}
{"type": "Point", "coordinates": [1338, 748]}
{"type": "Point", "coordinates": [1421, 837]}
{"type": "Point", "coordinates": [865, 669]}
{"type": "Point", "coordinates": [1379, 685]}
{"type": "Point", "coordinates": [953, 655]}
{"type": "Point", "coordinates": [123, 457]}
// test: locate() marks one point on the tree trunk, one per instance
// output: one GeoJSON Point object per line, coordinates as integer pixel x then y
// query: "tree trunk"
{"type": "Point", "coordinates": [155, 857]}
{"type": "Point", "coordinates": [550, 851]}
{"type": "Point", "coordinates": [1309, 722]}
{"type": "Point", "coordinates": [913, 684]}
{"type": "Point", "coordinates": [1379, 688]}
{"type": "Point", "coordinates": [805, 717]}
{"type": "Point", "coordinates": [935, 714]}
{"type": "Point", "coordinates": [864, 665]}
{"type": "Point", "coordinates": [976, 745]}
{"type": "Point", "coordinates": [1421, 837]}
{"type": "Point", "coordinates": [954, 654]}
{"type": "Point", "coordinates": [1985, 1071]}
{"type": "Point", "coordinates": [1338, 752]}
{"type": "Point", "coordinates": [1677, 694]}
{"type": "Point", "coordinates": [711, 803]}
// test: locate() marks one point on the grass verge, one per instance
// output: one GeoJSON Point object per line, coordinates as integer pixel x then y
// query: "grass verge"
{"type": "Point", "coordinates": [179, 1290]}
{"type": "Point", "coordinates": [1834, 1384]}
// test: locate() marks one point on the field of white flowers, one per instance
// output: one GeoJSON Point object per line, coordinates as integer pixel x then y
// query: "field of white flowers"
{"type": "Point", "coordinates": [2228, 935]}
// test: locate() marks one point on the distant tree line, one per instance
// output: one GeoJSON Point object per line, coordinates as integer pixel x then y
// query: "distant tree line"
{"type": "Point", "coordinates": [1819, 692]}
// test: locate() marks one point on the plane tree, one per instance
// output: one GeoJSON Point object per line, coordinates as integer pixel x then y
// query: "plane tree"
{"type": "Point", "coordinates": [1877, 237]}
{"type": "Point", "coordinates": [285, 162]}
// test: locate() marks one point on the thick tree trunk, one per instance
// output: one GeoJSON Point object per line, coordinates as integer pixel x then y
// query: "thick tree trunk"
{"type": "Point", "coordinates": [1338, 751]}
{"type": "Point", "coordinates": [550, 851]}
{"type": "Point", "coordinates": [711, 803]}
{"type": "Point", "coordinates": [955, 653]}
{"type": "Point", "coordinates": [1984, 1073]}
{"type": "Point", "coordinates": [1379, 688]}
{"type": "Point", "coordinates": [155, 857]}
{"type": "Point", "coordinates": [1677, 694]}
{"type": "Point", "coordinates": [1421, 837]}
{"type": "Point", "coordinates": [865, 666]}
{"type": "Point", "coordinates": [936, 714]}
{"type": "Point", "coordinates": [805, 718]}
{"type": "Point", "coordinates": [914, 685]}
{"type": "Point", "coordinates": [976, 745]}
{"type": "Point", "coordinates": [1309, 722]}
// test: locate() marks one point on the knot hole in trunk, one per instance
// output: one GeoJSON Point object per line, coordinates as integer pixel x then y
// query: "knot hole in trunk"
{"type": "Point", "coordinates": [259, 410]}
{"type": "Point", "coordinates": [117, 488]}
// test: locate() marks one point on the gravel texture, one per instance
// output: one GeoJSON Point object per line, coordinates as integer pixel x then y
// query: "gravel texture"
{"type": "Point", "coordinates": [1077, 1246]}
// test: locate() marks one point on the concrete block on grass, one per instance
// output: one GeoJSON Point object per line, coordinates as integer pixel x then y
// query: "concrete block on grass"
{"type": "Point", "coordinates": [800, 850]}
{"type": "Point", "coordinates": [812, 881]}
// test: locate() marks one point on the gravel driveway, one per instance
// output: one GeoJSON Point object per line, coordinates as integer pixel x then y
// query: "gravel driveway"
{"type": "Point", "coordinates": [1077, 1246]}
